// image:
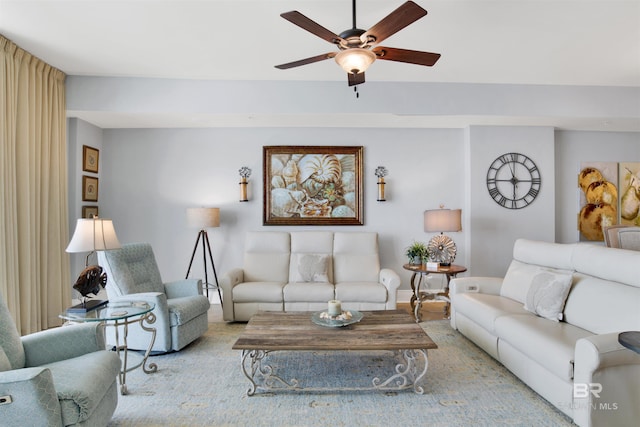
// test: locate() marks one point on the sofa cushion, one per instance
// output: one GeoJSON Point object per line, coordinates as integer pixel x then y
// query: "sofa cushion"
{"type": "Point", "coordinates": [484, 309]}
{"type": "Point", "coordinates": [266, 257]}
{"type": "Point", "coordinates": [517, 280]}
{"type": "Point", "coordinates": [309, 268]}
{"type": "Point", "coordinates": [355, 257]}
{"type": "Point", "coordinates": [308, 292]}
{"type": "Point", "coordinates": [548, 293]}
{"type": "Point", "coordinates": [361, 292]}
{"type": "Point", "coordinates": [258, 291]}
{"type": "Point", "coordinates": [603, 306]}
{"type": "Point", "coordinates": [550, 344]}
{"type": "Point", "coordinates": [596, 261]}
{"type": "Point", "coordinates": [184, 309]}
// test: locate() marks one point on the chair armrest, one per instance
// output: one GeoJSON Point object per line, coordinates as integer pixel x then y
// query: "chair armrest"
{"type": "Point", "coordinates": [609, 369]}
{"type": "Point", "coordinates": [483, 285]}
{"type": "Point", "coordinates": [33, 397]}
{"type": "Point", "coordinates": [391, 280]}
{"type": "Point", "coordinates": [228, 280]}
{"type": "Point", "coordinates": [63, 343]}
{"type": "Point", "coordinates": [183, 288]}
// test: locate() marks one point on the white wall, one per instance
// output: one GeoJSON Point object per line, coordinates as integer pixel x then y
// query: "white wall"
{"type": "Point", "coordinates": [149, 177]}
{"type": "Point", "coordinates": [80, 133]}
{"type": "Point", "coordinates": [494, 228]}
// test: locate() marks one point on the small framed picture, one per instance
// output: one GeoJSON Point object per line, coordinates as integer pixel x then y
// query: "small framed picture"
{"type": "Point", "coordinates": [89, 211]}
{"type": "Point", "coordinates": [90, 158]}
{"type": "Point", "coordinates": [89, 188]}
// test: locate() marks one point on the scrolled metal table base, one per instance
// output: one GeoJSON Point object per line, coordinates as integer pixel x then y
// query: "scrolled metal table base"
{"type": "Point", "coordinates": [149, 319]}
{"type": "Point", "coordinates": [407, 374]}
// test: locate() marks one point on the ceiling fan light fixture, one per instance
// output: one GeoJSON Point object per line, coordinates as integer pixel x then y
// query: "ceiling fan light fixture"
{"type": "Point", "coordinates": [355, 60]}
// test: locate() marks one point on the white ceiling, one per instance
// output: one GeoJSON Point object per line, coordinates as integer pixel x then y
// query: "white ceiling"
{"type": "Point", "coordinates": [562, 42]}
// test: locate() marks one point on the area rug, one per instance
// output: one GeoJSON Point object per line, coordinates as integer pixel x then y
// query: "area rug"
{"type": "Point", "coordinates": [203, 385]}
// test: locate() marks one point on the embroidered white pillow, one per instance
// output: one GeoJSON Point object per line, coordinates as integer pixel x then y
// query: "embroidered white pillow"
{"type": "Point", "coordinates": [312, 268]}
{"type": "Point", "coordinates": [548, 293]}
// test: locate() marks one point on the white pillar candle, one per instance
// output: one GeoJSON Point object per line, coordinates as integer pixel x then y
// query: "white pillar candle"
{"type": "Point", "coordinates": [335, 308]}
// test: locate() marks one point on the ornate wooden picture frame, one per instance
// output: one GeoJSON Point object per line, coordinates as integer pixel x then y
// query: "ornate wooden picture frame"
{"type": "Point", "coordinates": [312, 185]}
{"type": "Point", "coordinates": [90, 159]}
{"type": "Point", "coordinates": [89, 188]}
{"type": "Point", "coordinates": [89, 211]}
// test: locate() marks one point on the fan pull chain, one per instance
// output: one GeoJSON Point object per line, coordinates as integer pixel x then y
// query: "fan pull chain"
{"type": "Point", "coordinates": [355, 89]}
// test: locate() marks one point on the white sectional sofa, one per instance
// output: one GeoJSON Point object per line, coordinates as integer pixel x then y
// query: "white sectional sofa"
{"type": "Point", "coordinates": [572, 358]}
{"type": "Point", "coordinates": [301, 271]}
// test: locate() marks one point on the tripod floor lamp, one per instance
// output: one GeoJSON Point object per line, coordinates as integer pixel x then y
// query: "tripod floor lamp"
{"type": "Point", "coordinates": [204, 218]}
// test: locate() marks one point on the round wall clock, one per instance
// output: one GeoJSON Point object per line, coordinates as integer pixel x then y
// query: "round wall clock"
{"type": "Point", "coordinates": [513, 181]}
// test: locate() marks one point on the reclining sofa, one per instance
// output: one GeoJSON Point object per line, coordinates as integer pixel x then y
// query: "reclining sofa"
{"type": "Point", "coordinates": [301, 271]}
{"type": "Point", "coordinates": [554, 321]}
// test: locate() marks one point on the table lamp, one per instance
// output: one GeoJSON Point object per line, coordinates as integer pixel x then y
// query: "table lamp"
{"type": "Point", "coordinates": [91, 235]}
{"type": "Point", "coordinates": [204, 218]}
{"type": "Point", "coordinates": [441, 247]}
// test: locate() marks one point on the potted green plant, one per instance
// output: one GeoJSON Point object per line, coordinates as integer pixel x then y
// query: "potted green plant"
{"type": "Point", "coordinates": [417, 252]}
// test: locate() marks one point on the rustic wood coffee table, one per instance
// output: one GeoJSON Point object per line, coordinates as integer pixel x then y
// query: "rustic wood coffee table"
{"type": "Point", "coordinates": [393, 330]}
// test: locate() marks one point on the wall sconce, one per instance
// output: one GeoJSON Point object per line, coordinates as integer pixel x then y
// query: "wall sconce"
{"type": "Point", "coordinates": [245, 172]}
{"type": "Point", "coordinates": [441, 247]}
{"type": "Point", "coordinates": [381, 172]}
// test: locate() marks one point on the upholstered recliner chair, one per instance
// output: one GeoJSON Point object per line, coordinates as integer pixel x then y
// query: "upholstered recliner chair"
{"type": "Point", "coordinates": [180, 307]}
{"type": "Point", "coordinates": [58, 377]}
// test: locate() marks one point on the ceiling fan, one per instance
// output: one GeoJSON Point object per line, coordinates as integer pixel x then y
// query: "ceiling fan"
{"type": "Point", "coordinates": [358, 48]}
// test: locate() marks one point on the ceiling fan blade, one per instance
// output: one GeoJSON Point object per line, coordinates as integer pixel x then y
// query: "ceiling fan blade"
{"type": "Point", "coordinates": [306, 61]}
{"type": "Point", "coordinates": [405, 55]}
{"type": "Point", "coordinates": [406, 14]}
{"type": "Point", "coordinates": [313, 27]}
{"type": "Point", "coordinates": [355, 79]}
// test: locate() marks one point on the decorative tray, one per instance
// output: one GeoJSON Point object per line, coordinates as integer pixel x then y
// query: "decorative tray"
{"type": "Point", "coordinates": [321, 318]}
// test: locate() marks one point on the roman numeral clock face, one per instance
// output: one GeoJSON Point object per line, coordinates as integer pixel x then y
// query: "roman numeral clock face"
{"type": "Point", "coordinates": [513, 181]}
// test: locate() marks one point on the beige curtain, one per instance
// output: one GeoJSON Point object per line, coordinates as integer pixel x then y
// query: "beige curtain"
{"type": "Point", "coordinates": [34, 268]}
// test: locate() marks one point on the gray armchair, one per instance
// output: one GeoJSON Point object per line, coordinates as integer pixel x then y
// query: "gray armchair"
{"type": "Point", "coordinates": [180, 307]}
{"type": "Point", "coordinates": [58, 377]}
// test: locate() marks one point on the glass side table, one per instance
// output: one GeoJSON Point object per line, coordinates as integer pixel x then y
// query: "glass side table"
{"type": "Point", "coordinates": [122, 314]}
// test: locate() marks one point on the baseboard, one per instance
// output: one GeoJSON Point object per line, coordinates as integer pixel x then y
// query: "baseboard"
{"type": "Point", "coordinates": [404, 295]}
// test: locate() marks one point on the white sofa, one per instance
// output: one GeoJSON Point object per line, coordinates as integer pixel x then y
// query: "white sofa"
{"type": "Point", "coordinates": [302, 270]}
{"type": "Point", "coordinates": [575, 362]}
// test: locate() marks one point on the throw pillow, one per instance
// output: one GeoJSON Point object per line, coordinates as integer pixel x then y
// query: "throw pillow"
{"type": "Point", "coordinates": [312, 268]}
{"type": "Point", "coordinates": [548, 293]}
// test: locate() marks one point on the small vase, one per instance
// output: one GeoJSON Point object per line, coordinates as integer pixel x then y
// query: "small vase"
{"type": "Point", "coordinates": [416, 261]}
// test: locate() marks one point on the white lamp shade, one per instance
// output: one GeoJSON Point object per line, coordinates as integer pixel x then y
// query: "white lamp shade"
{"type": "Point", "coordinates": [441, 220]}
{"type": "Point", "coordinates": [203, 217]}
{"type": "Point", "coordinates": [94, 234]}
{"type": "Point", "coordinates": [355, 60]}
